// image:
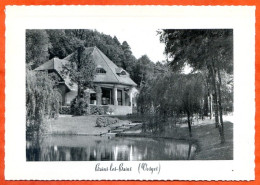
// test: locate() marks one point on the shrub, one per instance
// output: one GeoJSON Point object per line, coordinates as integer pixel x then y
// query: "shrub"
{"type": "Point", "coordinates": [65, 110]}
{"type": "Point", "coordinates": [100, 110]}
{"type": "Point", "coordinates": [105, 121]}
{"type": "Point", "coordinates": [79, 107]}
{"type": "Point", "coordinates": [96, 110]}
{"type": "Point", "coordinates": [110, 110]}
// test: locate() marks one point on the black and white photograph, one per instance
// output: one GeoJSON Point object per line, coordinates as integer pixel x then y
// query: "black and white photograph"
{"type": "Point", "coordinates": [130, 93]}
{"type": "Point", "coordinates": [90, 96]}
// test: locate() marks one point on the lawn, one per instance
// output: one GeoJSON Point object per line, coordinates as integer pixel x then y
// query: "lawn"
{"type": "Point", "coordinates": [78, 125]}
{"type": "Point", "coordinates": [203, 133]}
{"type": "Point", "coordinates": [209, 142]}
{"type": "Point", "coordinates": [208, 139]}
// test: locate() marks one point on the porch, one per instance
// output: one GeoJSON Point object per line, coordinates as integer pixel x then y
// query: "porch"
{"type": "Point", "coordinates": [117, 97]}
{"type": "Point", "coordinates": [112, 95]}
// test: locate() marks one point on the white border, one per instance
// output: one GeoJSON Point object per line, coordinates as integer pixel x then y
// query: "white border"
{"type": "Point", "coordinates": [241, 19]}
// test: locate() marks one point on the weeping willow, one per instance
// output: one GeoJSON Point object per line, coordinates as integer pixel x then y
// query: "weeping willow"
{"type": "Point", "coordinates": [43, 101]}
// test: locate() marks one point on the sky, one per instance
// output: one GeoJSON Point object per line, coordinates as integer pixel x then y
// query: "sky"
{"type": "Point", "coordinates": [142, 41]}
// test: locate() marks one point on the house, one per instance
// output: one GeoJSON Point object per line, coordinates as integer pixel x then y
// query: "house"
{"type": "Point", "coordinates": [118, 90]}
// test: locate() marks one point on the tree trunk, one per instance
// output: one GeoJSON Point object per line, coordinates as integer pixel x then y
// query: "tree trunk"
{"type": "Point", "coordinates": [215, 97]}
{"type": "Point", "coordinates": [210, 105]}
{"type": "Point", "coordinates": [189, 152]}
{"type": "Point", "coordinates": [220, 108]}
{"type": "Point", "coordinates": [205, 111]}
{"type": "Point", "coordinates": [208, 101]}
{"type": "Point", "coordinates": [189, 123]}
{"type": "Point", "coordinates": [79, 90]}
{"type": "Point", "coordinates": [78, 68]}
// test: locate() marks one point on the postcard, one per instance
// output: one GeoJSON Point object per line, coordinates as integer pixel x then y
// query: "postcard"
{"type": "Point", "coordinates": [130, 93]}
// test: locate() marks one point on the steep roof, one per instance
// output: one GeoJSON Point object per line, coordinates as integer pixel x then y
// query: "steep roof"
{"type": "Point", "coordinates": [112, 74]}
{"type": "Point", "coordinates": [57, 65]}
{"type": "Point", "coordinates": [110, 67]}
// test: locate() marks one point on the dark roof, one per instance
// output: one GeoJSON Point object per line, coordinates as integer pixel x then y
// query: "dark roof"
{"type": "Point", "coordinates": [57, 65]}
{"type": "Point", "coordinates": [100, 59]}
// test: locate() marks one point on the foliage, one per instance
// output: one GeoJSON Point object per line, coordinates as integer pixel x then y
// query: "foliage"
{"type": "Point", "coordinates": [227, 91]}
{"type": "Point", "coordinates": [209, 51]}
{"type": "Point", "coordinates": [105, 121]}
{"type": "Point", "coordinates": [81, 69]}
{"type": "Point", "coordinates": [42, 101]}
{"type": "Point", "coordinates": [61, 43]}
{"type": "Point", "coordinates": [65, 110]}
{"type": "Point", "coordinates": [100, 110]}
{"type": "Point", "coordinates": [171, 95]}
{"type": "Point", "coordinates": [79, 107]}
{"type": "Point", "coordinates": [37, 45]}
{"type": "Point", "coordinates": [96, 110]}
{"type": "Point", "coordinates": [154, 124]}
{"type": "Point", "coordinates": [199, 48]}
{"type": "Point", "coordinates": [42, 45]}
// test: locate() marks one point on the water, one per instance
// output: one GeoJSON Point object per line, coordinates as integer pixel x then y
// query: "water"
{"type": "Point", "coordinates": [95, 148]}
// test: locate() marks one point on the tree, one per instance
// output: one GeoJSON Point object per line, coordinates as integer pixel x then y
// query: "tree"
{"type": "Point", "coordinates": [37, 45]}
{"type": "Point", "coordinates": [62, 43]}
{"type": "Point", "coordinates": [43, 101]}
{"type": "Point", "coordinates": [192, 96]}
{"type": "Point", "coordinates": [126, 48]}
{"type": "Point", "coordinates": [170, 95]}
{"type": "Point", "coordinates": [81, 69]}
{"type": "Point", "coordinates": [143, 69]}
{"type": "Point", "coordinates": [202, 49]}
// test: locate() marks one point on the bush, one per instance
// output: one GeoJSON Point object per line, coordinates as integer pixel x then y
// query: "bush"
{"type": "Point", "coordinates": [79, 107]}
{"type": "Point", "coordinates": [96, 110]}
{"type": "Point", "coordinates": [110, 110]}
{"type": "Point", "coordinates": [65, 110]}
{"type": "Point", "coordinates": [100, 110]}
{"type": "Point", "coordinates": [105, 121]}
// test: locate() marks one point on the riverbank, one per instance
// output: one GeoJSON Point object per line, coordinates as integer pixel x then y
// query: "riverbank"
{"type": "Point", "coordinates": [204, 134]}
{"type": "Point", "coordinates": [209, 142]}
{"type": "Point", "coordinates": [79, 125]}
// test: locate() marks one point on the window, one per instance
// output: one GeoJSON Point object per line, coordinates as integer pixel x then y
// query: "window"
{"type": "Point", "coordinates": [106, 96]}
{"type": "Point", "coordinates": [100, 70]}
{"type": "Point", "coordinates": [93, 98]}
{"type": "Point", "coordinates": [119, 97]}
{"type": "Point", "coordinates": [120, 71]}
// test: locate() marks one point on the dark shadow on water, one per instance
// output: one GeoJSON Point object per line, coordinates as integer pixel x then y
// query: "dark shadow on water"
{"type": "Point", "coordinates": [94, 148]}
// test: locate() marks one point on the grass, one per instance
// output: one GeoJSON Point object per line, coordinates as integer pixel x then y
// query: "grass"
{"type": "Point", "coordinates": [208, 140]}
{"type": "Point", "coordinates": [204, 134]}
{"type": "Point", "coordinates": [78, 125]}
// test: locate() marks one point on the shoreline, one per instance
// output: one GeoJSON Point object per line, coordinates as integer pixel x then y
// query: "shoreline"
{"type": "Point", "coordinates": [204, 134]}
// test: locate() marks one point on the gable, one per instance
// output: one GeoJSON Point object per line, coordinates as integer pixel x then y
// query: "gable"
{"type": "Point", "coordinates": [111, 74]}
{"type": "Point", "coordinates": [56, 64]}
{"type": "Point", "coordinates": [111, 68]}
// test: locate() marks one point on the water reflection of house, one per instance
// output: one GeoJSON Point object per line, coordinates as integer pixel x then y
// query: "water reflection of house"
{"type": "Point", "coordinates": [117, 88]}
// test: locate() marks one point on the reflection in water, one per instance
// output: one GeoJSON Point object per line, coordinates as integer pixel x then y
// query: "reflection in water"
{"type": "Point", "coordinates": [94, 148]}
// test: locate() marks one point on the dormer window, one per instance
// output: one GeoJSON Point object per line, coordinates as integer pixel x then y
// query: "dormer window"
{"type": "Point", "coordinates": [123, 73]}
{"type": "Point", "coordinates": [120, 71]}
{"type": "Point", "coordinates": [100, 70]}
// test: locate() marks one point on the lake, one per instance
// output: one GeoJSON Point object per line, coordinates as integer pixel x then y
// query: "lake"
{"type": "Point", "coordinates": [97, 148]}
